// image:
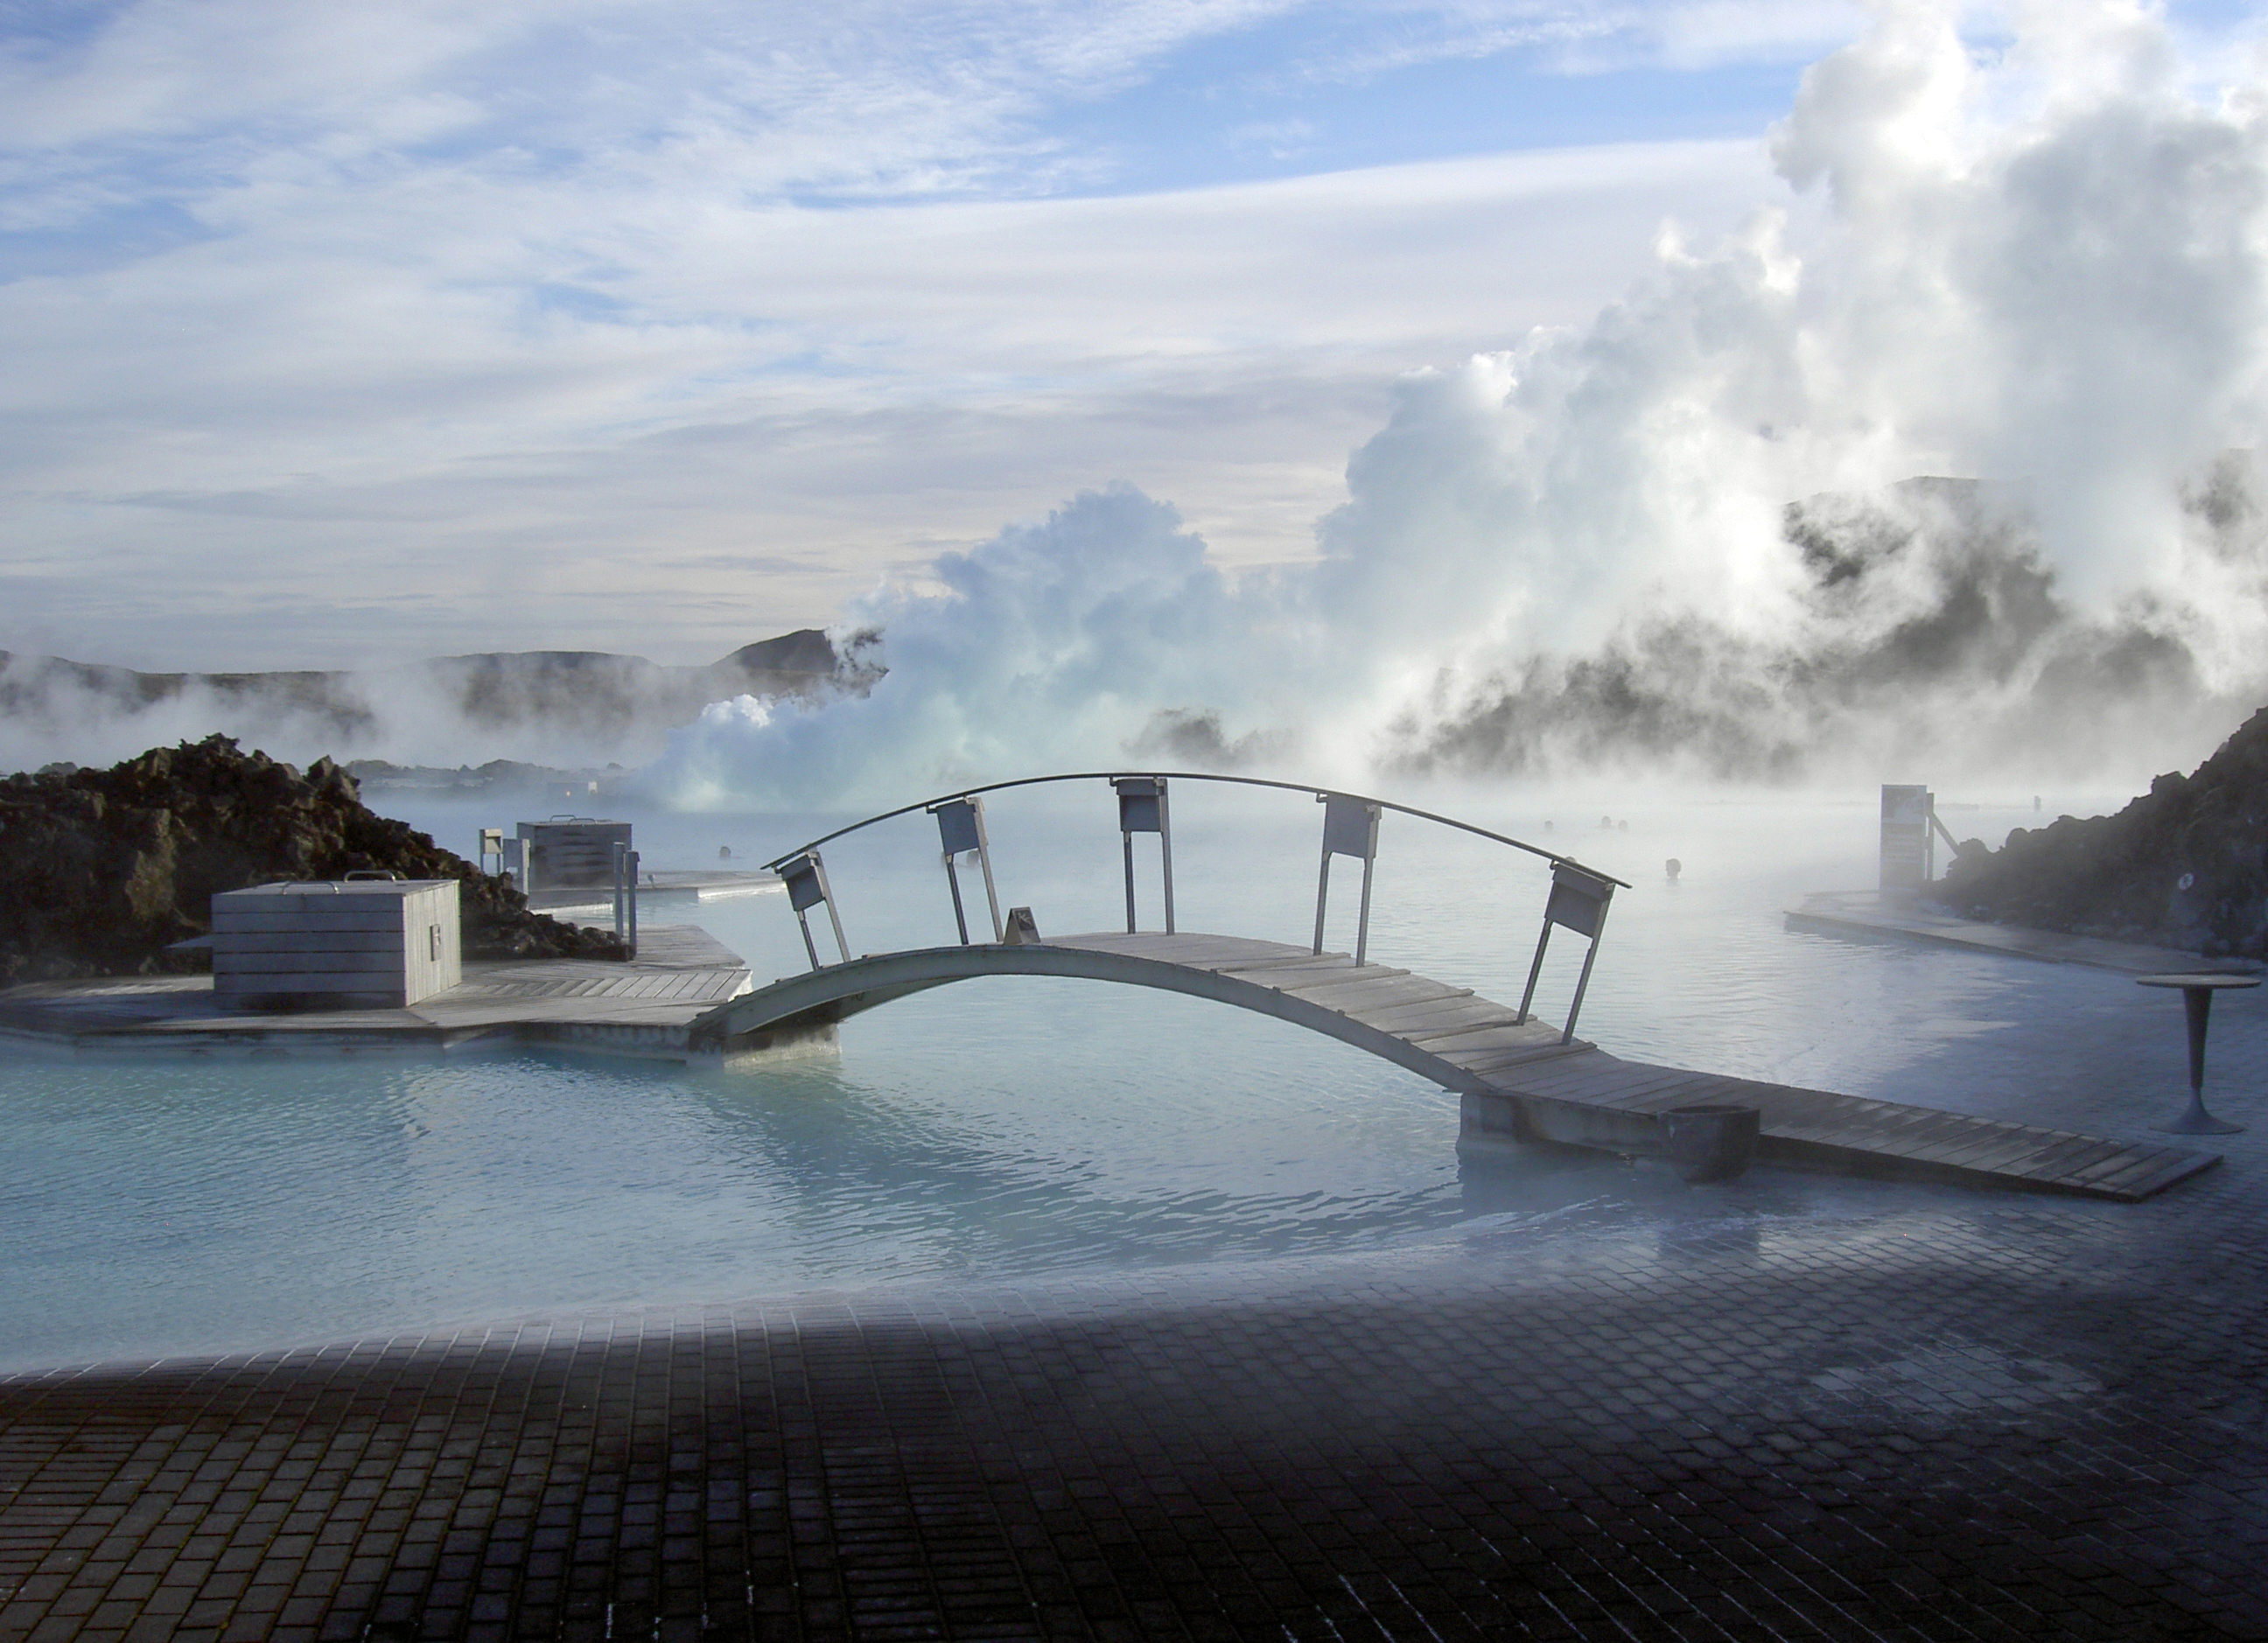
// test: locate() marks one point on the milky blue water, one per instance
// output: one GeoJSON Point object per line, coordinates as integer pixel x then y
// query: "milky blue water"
{"type": "Point", "coordinates": [986, 1131]}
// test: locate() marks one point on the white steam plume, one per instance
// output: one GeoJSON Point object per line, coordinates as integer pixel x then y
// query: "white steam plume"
{"type": "Point", "coordinates": [2045, 267]}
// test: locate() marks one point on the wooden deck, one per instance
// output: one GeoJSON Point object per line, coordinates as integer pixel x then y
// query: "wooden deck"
{"type": "Point", "coordinates": [1870, 915]}
{"type": "Point", "coordinates": [645, 1006]}
{"type": "Point", "coordinates": [1518, 1082]}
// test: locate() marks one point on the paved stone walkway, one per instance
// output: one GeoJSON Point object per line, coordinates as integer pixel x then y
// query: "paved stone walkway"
{"type": "Point", "coordinates": [1934, 1416]}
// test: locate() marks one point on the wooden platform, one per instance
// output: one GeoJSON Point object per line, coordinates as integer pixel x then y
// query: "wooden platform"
{"type": "Point", "coordinates": [1519, 1083]}
{"type": "Point", "coordinates": [1870, 915]}
{"type": "Point", "coordinates": [645, 1006]}
{"type": "Point", "coordinates": [658, 891]}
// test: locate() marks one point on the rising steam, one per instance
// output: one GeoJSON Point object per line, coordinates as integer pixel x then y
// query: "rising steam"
{"type": "Point", "coordinates": [1677, 538]}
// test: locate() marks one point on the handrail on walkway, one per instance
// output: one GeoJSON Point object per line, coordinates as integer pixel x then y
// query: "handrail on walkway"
{"type": "Point", "coordinates": [1579, 900]}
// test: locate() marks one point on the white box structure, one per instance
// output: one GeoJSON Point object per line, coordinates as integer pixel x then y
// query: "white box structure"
{"type": "Point", "coordinates": [570, 853]}
{"type": "Point", "coordinates": [355, 944]}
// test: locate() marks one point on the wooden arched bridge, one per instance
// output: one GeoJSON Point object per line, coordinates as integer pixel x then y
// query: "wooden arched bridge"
{"type": "Point", "coordinates": [1520, 1078]}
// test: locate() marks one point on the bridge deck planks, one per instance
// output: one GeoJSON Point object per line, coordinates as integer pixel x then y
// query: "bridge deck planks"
{"type": "Point", "coordinates": [1418, 1022]}
{"type": "Point", "coordinates": [1478, 1043]}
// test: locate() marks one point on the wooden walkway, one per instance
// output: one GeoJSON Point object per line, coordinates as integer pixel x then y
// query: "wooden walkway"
{"type": "Point", "coordinates": [1518, 1082]}
{"type": "Point", "coordinates": [1869, 915]}
{"type": "Point", "coordinates": [645, 1006]}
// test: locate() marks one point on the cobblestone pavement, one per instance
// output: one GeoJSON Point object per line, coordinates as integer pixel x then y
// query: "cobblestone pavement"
{"type": "Point", "coordinates": [1924, 1414]}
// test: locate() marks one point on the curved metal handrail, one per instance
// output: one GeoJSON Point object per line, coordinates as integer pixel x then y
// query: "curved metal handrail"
{"type": "Point", "coordinates": [1579, 900]}
{"type": "Point", "coordinates": [1320, 793]}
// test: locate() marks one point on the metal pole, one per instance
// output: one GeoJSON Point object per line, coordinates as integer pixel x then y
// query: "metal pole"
{"type": "Point", "coordinates": [960, 918]}
{"type": "Point", "coordinates": [1581, 982]}
{"type": "Point", "coordinates": [1165, 853]}
{"type": "Point", "coordinates": [1584, 980]}
{"type": "Point", "coordinates": [621, 913]}
{"type": "Point", "coordinates": [1128, 840]}
{"type": "Point", "coordinates": [2198, 1001]}
{"type": "Point", "coordinates": [1322, 891]}
{"type": "Point", "coordinates": [991, 896]}
{"type": "Point", "coordinates": [836, 919]}
{"type": "Point", "coordinates": [1534, 970]}
{"type": "Point", "coordinates": [809, 945]}
{"type": "Point", "coordinates": [1362, 924]}
{"type": "Point", "coordinates": [630, 863]}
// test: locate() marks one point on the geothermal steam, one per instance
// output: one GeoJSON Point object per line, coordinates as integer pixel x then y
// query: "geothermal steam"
{"type": "Point", "coordinates": [1677, 538]}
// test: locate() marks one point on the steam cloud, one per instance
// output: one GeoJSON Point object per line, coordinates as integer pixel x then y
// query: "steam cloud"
{"type": "Point", "coordinates": [555, 707]}
{"type": "Point", "coordinates": [1677, 538]}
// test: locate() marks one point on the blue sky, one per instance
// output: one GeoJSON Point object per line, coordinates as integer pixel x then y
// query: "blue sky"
{"type": "Point", "coordinates": [343, 334]}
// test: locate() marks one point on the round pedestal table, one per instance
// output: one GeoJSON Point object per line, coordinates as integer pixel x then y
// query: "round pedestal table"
{"type": "Point", "coordinates": [2196, 995]}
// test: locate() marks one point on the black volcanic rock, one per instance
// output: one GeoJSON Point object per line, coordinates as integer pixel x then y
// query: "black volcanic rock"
{"type": "Point", "coordinates": [2185, 865]}
{"type": "Point", "coordinates": [108, 868]}
{"type": "Point", "coordinates": [805, 653]}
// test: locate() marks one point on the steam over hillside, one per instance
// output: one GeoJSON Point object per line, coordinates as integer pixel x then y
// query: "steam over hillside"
{"type": "Point", "coordinates": [570, 706]}
{"type": "Point", "coordinates": [1929, 632]}
{"type": "Point", "coordinates": [1693, 536]}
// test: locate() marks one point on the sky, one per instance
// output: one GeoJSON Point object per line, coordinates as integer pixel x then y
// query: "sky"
{"type": "Point", "coordinates": [341, 336]}
{"type": "Point", "coordinates": [1376, 389]}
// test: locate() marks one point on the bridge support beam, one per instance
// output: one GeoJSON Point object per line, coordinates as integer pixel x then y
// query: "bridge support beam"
{"type": "Point", "coordinates": [1495, 1122]}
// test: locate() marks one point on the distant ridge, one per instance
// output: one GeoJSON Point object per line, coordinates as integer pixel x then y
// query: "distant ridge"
{"type": "Point", "coordinates": [593, 697]}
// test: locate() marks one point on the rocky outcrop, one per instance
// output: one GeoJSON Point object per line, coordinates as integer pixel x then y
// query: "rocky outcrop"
{"type": "Point", "coordinates": [2185, 865]}
{"type": "Point", "coordinates": [106, 869]}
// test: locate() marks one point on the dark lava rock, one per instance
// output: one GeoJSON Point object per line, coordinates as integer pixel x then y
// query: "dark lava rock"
{"type": "Point", "coordinates": [2185, 865]}
{"type": "Point", "coordinates": [106, 868]}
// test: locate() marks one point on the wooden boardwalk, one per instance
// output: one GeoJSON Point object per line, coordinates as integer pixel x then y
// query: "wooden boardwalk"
{"type": "Point", "coordinates": [1518, 1082]}
{"type": "Point", "coordinates": [1870, 915]}
{"type": "Point", "coordinates": [645, 1006]}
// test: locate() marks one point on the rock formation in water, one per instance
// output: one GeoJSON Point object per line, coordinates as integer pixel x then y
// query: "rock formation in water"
{"type": "Point", "coordinates": [2185, 865]}
{"type": "Point", "coordinates": [108, 868]}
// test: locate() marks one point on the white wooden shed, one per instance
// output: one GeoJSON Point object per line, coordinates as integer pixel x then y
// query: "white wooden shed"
{"type": "Point", "coordinates": [350, 944]}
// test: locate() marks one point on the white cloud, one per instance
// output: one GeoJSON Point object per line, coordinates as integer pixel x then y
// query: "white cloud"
{"type": "Point", "coordinates": [708, 375]}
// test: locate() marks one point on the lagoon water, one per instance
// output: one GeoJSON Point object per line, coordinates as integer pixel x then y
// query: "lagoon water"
{"type": "Point", "coordinates": [995, 1129]}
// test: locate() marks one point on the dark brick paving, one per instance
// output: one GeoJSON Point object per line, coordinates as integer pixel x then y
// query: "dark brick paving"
{"type": "Point", "coordinates": [1929, 1415]}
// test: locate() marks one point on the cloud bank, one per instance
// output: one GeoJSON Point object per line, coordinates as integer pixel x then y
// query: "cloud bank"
{"type": "Point", "coordinates": [2043, 264]}
{"type": "Point", "coordinates": [341, 336]}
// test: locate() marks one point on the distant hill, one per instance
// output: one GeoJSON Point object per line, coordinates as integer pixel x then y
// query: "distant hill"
{"type": "Point", "coordinates": [593, 701]}
{"type": "Point", "coordinates": [2181, 867]}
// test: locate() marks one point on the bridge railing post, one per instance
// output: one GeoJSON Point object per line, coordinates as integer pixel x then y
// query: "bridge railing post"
{"type": "Point", "coordinates": [1142, 809]}
{"type": "Point", "coordinates": [622, 910]}
{"type": "Point", "coordinates": [631, 876]}
{"type": "Point", "coordinates": [961, 831]}
{"type": "Point", "coordinates": [805, 878]}
{"type": "Point", "coordinates": [1350, 829]}
{"type": "Point", "coordinates": [1578, 902]}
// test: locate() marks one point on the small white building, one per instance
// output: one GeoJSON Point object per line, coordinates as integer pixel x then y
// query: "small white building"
{"type": "Point", "coordinates": [350, 944]}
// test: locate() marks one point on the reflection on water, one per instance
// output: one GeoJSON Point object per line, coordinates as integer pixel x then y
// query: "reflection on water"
{"type": "Point", "coordinates": [985, 1130]}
